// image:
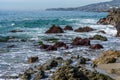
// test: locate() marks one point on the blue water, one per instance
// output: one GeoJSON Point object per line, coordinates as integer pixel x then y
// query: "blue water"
{"type": "Point", "coordinates": [34, 24]}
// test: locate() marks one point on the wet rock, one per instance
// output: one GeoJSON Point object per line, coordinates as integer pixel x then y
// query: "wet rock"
{"type": "Point", "coordinates": [101, 31]}
{"type": "Point", "coordinates": [99, 37]}
{"type": "Point", "coordinates": [49, 65]}
{"type": "Point", "coordinates": [68, 72]}
{"type": "Point", "coordinates": [33, 59]}
{"type": "Point", "coordinates": [82, 60]}
{"type": "Point", "coordinates": [15, 31]}
{"type": "Point", "coordinates": [60, 44]}
{"type": "Point", "coordinates": [10, 46]}
{"type": "Point", "coordinates": [25, 76]}
{"type": "Point", "coordinates": [68, 27]}
{"type": "Point", "coordinates": [4, 39]}
{"type": "Point", "coordinates": [80, 41]}
{"type": "Point", "coordinates": [84, 29]}
{"type": "Point", "coordinates": [96, 46]}
{"type": "Point", "coordinates": [39, 75]}
{"type": "Point", "coordinates": [48, 47]}
{"type": "Point", "coordinates": [55, 29]}
{"type": "Point", "coordinates": [107, 57]}
{"type": "Point", "coordinates": [118, 29]}
{"type": "Point", "coordinates": [67, 62]}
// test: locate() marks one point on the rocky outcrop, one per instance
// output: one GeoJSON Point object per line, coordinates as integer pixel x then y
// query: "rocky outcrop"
{"type": "Point", "coordinates": [80, 41]}
{"type": "Point", "coordinates": [68, 27]}
{"type": "Point", "coordinates": [113, 18]}
{"type": "Point", "coordinates": [84, 29]}
{"type": "Point", "coordinates": [107, 57]}
{"type": "Point", "coordinates": [68, 72]}
{"type": "Point", "coordinates": [54, 29]}
{"type": "Point", "coordinates": [60, 44]}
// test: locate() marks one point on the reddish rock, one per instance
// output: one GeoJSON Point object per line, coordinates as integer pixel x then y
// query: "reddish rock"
{"type": "Point", "coordinates": [60, 44]}
{"type": "Point", "coordinates": [55, 29]}
{"type": "Point", "coordinates": [96, 46]}
{"type": "Point", "coordinates": [44, 46]}
{"type": "Point", "coordinates": [80, 41]}
{"type": "Point", "coordinates": [84, 29]}
{"type": "Point", "coordinates": [68, 27]}
{"type": "Point", "coordinates": [33, 59]}
{"type": "Point", "coordinates": [51, 48]}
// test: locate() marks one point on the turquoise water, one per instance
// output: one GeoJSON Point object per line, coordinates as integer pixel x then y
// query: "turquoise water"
{"type": "Point", "coordinates": [34, 24]}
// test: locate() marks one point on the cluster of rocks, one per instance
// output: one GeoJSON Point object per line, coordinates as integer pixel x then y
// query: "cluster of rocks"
{"type": "Point", "coordinates": [64, 70]}
{"type": "Point", "coordinates": [113, 18]}
{"type": "Point", "coordinates": [57, 29]}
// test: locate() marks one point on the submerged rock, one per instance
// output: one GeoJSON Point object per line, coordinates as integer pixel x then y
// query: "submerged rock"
{"type": "Point", "coordinates": [48, 47]}
{"type": "Point", "coordinates": [15, 31]}
{"type": "Point", "coordinates": [68, 27]}
{"type": "Point", "coordinates": [4, 39]}
{"type": "Point", "coordinates": [107, 57]}
{"type": "Point", "coordinates": [99, 37]}
{"type": "Point", "coordinates": [33, 59]}
{"type": "Point", "coordinates": [84, 29]}
{"type": "Point", "coordinates": [55, 29]}
{"type": "Point", "coordinates": [80, 41]}
{"type": "Point", "coordinates": [96, 46]}
{"type": "Point", "coordinates": [68, 72]}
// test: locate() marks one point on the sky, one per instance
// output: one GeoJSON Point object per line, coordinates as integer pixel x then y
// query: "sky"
{"type": "Point", "coordinates": [43, 4]}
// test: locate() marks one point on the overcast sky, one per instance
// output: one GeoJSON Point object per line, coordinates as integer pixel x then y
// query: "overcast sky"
{"type": "Point", "coordinates": [43, 4]}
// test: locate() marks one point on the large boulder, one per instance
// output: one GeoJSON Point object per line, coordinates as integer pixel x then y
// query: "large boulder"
{"type": "Point", "coordinates": [68, 27]}
{"type": "Point", "coordinates": [55, 29]}
{"type": "Point", "coordinates": [60, 44]}
{"type": "Point", "coordinates": [99, 37]}
{"type": "Point", "coordinates": [84, 29]}
{"type": "Point", "coordinates": [107, 57]}
{"type": "Point", "coordinates": [80, 41]}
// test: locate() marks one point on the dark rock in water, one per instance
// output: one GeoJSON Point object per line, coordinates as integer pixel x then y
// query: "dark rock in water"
{"type": "Point", "coordinates": [68, 72]}
{"type": "Point", "coordinates": [101, 31]}
{"type": "Point", "coordinates": [25, 76]}
{"type": "Point", "coordinates": [4, 39]}
{"type": "Point", "coordinates": [84, 29]}
{"type": "Point", "coordinates": [33, 59]}
{"type": "Point", "coordinates": [99, 37]}
{"type": "Point", "coordinates": [68, 27]}
{"type": "Point", "coordinates": [15, 31]}
{"type": "Point", "coordinates": [60, 44]}
{"type": "Point", "coordinates": [39, 75]}
{"type": "Point", "coordinates": [10, 46]}
{"type": "Point", "coordinates": [118, 29]}
{"type": "Point", "coordinates": [48, 47]}
{"type": "Point", "coordinates": [96, 46]}
{"type": "Point", "coordinates": [55, 29]}
{"type": "Point", "coordinates": [80, 41]}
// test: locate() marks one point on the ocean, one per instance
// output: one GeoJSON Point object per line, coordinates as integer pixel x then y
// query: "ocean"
{"type": "Point", "coordinates": [33, 24]}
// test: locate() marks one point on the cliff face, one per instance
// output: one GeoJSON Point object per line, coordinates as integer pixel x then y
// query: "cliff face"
{"type": "Point", "coordinates": [113, 18]}
{"type": "Point", "coordinates": [104, 6]}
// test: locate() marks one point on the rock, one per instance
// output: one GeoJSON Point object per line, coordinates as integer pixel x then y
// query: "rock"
{"type": "Point", "coordinates": [49, 65]}
{"type": "Point", "coordinates": [84, 29]}
{"type": "Point", "coordinates": [113, 18]}
{"type": "Point", "coordinates": [114, 71]}
{"type": "Point", "coordinates": [96, 46]}
{"type": "Point", "coordinates": [82, 60]}
{"type": "Point", "coordinates": [107, 57]}
{"type": "Point", "coordinates": [68, 27]}
{"type": "Point", "coordinates": [15, 31]}
{"type": "Point", "coordinates": [4, 39]}
{"type": "Point", "coordinates": [60, 44]}
{"type": "Point", "coordinates": [101, 31]}
{"type": "Point", "coordinates": [80, 41]}
{"type": "Point", "coordinates": [55, 29]}
{"type": "Point", "coordinates": [33, 59]}
{"type": "Point", "coordinates": [48, 47]}
{"type": "Point", "coordinates": [39, 75]}
{"type": "Point", "coordinates": [25, 76]}
{"type": "Point", "coordinates": [99, 37]}
{"type": "Point", "coordinates": [68, 72]}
